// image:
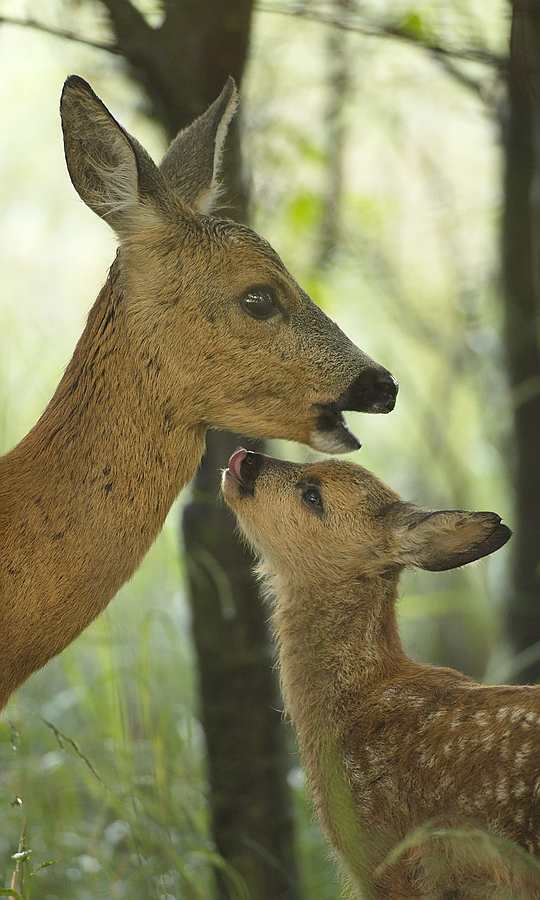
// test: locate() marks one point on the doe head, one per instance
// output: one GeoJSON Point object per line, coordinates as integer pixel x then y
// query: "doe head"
{"type": "Point", "coordinates": [332, 521]}
{"type": "Point", "coordinates": [235, 342]}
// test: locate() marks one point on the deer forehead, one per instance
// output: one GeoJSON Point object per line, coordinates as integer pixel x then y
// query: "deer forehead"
{"type": "Point", "coordinates": [196, 253]}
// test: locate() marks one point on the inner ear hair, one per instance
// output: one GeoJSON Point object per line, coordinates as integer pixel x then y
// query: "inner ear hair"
{"type": "Point", "coordinates": [192, 163]}
{"type": "Point", "coordinates": [112, 173]}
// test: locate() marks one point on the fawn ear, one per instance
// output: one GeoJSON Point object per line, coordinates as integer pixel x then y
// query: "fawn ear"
{"type": "Point", "coordinates": [447, 538]}
{"type": "Point", "coordinates": [192, 162]}
{"type": "Point", "coordinates": [110, 170]}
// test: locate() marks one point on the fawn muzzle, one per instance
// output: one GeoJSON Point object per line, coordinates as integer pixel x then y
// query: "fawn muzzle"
{"type": "Point", "coordinates": [244, 467]}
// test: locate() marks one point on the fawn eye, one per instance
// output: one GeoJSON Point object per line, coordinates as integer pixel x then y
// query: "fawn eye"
{"type": "Point", "coordinates": [312, 499]}
{"type": "Point", "coordinates": [259, 303]}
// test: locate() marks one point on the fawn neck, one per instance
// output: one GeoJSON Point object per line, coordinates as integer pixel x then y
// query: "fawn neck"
{"type": "Point", "coordinates": [336, 642]}
{"type": "Point", "coordinates": [84, 495]}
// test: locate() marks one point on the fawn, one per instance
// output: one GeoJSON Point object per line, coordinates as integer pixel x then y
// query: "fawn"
{"type": "Point", "coordinates": [390, 744]}
{"type": "Point", "coordinates": [199, 324]}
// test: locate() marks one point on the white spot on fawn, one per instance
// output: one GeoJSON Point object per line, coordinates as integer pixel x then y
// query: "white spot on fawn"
{"type": "Point", "coordinates": [501, 791]}
{"type": "Point", "coordinates": [520, 789]}
{"type": "Point", "coordinates": [523, 753]}
{"type": "Point", "coordinates": [529, 719]}
{"type": "Point", "coordinates": [482, 719]}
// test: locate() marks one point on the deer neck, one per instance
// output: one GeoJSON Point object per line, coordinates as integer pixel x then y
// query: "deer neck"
{"type": "Point", "coordinates": [84, 495]}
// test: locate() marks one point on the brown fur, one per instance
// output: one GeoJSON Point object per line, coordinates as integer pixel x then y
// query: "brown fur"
{"type": "Point", "coordinates": [390, 745]}
{"type": "Point", "coordinates": [167, 351]}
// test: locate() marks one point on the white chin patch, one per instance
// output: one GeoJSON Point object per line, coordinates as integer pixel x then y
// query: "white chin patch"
{"type": "Point", "coordinates": [331, 442]}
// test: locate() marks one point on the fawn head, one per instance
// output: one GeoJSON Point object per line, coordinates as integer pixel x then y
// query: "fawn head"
{"type": "Point", "coordinates": [237, 343]}
{"type": "Point", "coordinates": [332, 521]}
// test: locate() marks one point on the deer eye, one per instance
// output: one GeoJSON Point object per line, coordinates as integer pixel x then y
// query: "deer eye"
{"type": "Point", "coordinates": [313, 499]}
{"type": "Point", "coordinates": [259, 303]}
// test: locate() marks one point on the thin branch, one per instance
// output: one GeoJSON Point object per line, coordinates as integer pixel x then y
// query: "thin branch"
{"type": "Point", "coordinates": [386, 29]}
{"type": "Point", "coordinates": [61, 737]}
{"type": "Point", "coordinates": [60, 33]}
{"type": "Point", "coordinates": [125, 11]}
{"type": "Point", "coordinates": [466, 80]}
{"type": "Point", "coordinates": [444, 55]}
{"type": "Point", "coordinates": [129, 24]}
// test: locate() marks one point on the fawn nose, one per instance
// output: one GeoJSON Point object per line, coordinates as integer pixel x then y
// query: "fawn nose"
{"type": "Point", "coordinates": [245, 466]}
{"type": "Point", "coordinates": [373, 391]}
{"type": "Point", "coordinates": [249, 469]}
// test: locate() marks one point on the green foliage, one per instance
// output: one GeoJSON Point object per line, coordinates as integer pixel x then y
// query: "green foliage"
{"type": "Point", "coordinates": [413, 24]}
{"type": "Point", "coordinates": [105, 750]}
{"type": "Point", "coordinates": [23, 872]}
{"type": "Point", "coordinates": [106, 753]}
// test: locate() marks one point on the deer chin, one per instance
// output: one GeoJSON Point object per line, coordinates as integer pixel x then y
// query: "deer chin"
{"type": "Point", "coordinates": [331, 434]}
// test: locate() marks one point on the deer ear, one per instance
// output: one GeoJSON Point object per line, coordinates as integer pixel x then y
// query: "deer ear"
{"type": "Point", "coordinates": [192, 162]}
{"type": "Point", "coordinates": [109, 169]}
{"type": "Point", "coordinates": [447, 539]}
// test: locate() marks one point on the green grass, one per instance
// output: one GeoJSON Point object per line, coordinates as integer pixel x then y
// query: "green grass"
{"type": "Point", "coordinates": [105, 753]}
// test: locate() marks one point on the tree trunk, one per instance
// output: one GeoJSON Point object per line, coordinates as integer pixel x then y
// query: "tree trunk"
{"type": "Point", "coordinates": [182, 66]}
{"type": "Point", "coordinates": [521, 246]}
{"type": "Point", "coordinates": [338, 57]}
{"type": "Point", "coordinates": [249, 795]}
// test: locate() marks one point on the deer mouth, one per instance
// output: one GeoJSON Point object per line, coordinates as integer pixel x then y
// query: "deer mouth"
{"type": "Point", "coordinates": [331, 434]}
{"type": "Point", "coordinates": [372, 391]}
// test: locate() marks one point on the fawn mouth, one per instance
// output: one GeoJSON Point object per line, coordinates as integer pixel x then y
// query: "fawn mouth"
{"type": "Point", "coordinates": [243, 469]}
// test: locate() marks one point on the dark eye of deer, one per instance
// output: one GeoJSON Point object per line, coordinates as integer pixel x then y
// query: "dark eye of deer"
{"type": "Point", "coordinates": [259, 303]}
{"type": "Point", "coordinates": [312, 499]}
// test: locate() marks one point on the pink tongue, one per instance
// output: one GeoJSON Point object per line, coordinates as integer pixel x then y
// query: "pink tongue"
{"type": "Point", "coordinates": [236, 461]}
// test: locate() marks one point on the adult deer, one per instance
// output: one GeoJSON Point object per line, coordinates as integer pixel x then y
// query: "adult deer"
{"type": "Point", "coordinates": [199, 324]}
{"type": "Point", "coordinates": [397, 752]}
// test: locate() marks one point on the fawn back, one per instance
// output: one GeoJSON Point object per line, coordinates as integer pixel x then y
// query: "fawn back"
{"type": "Point", "coordinates": [422, 777]}
{"type": "Point", "coordinates": [198, 324]}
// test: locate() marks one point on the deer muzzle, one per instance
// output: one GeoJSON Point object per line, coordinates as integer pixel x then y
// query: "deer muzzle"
{"type": "Point", "coordinates": [372, 391]}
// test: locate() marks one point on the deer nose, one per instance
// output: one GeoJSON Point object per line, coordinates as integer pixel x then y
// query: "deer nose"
{"type": "Point", "coordinates": [386, 389]}
{"type": "Point", "coordinates": [373, 391]}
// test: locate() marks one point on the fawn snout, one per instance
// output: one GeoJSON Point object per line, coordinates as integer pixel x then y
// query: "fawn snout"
{"type": "Point", "coordinates": [244, 466]}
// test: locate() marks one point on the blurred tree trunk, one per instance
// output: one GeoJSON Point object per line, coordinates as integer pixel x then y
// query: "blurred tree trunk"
{"type": "Point", "coordinates": [251, 806]}
{"type": "Point", "coordinates": [182, 67]}
{"type": "Point", "coordinates": [521, 273]}
{"type": "Point", "coordinates": [338, 55]}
